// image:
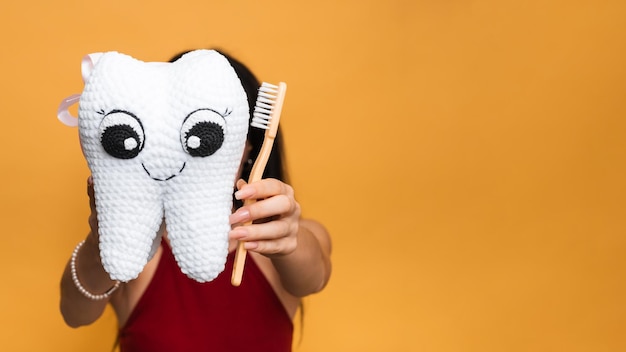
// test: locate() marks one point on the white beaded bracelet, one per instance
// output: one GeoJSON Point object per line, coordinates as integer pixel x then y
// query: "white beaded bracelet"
{"type": "Point", "coordinates": [78, 284]}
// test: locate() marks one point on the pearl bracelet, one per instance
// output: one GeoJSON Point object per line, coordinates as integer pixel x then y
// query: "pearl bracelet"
{"type": "Point", "coordinates": [80, 287]}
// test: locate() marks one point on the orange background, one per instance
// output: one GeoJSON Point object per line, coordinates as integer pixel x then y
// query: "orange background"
{"type": "Point", "coordinates": [467, 157]}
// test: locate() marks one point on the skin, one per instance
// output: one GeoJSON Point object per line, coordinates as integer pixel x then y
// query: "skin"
{"type": "Point", "coordinates": [292, 252]}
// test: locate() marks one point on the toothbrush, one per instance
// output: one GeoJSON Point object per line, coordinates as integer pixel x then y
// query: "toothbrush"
{"type": "Point", "coordinates": [266, 115]}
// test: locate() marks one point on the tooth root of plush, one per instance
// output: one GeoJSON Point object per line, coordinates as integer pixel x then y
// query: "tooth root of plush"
{"type": "Point", "coordinates": [129, 216]}
{"type": "Point", "coordinates": [198, 226]}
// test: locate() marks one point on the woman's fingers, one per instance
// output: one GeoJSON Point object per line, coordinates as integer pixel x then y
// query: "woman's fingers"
{"type": "Point", "coordinates": [93, 216]}
{"type": "Point", "coordinates": [269, 248]}
{"type": "Point", "coordinates": [279, 205]}
{"type": "Point", "coordinates": [266, 231]}
{"type": "Point", "coordinates": [274, 237]}
{"type": "Point", "coordinates": [275, 212]}
{"type": "Point", "coordinates": [90, 191]}
{"type": "Point", "coordinates": [262, 189]}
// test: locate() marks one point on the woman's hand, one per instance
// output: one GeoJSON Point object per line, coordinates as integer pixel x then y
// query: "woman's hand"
{"type": "Point", "coordinates": [298, 248]}
{"type": "Point", "coordinates": [275, 214]}
{"type": "Point", "coordinates": [93, 215]}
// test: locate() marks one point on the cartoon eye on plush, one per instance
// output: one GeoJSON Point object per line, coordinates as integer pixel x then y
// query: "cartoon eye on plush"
{"type": "Point", "coordinates": [121, 134]}
{"type": "Point", "coordinates": [202, 133]}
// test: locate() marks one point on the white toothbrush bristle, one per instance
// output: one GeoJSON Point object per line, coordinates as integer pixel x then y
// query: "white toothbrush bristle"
{"type": "Point", "coordinates": [264, 105]}
{"type": "Point", "coordinates": [260, 123]}
{"type": "Point", "coordinates": [269, 86]}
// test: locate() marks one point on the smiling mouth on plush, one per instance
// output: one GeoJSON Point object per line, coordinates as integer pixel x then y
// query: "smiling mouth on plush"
{"type": "Point", "coordinates": [163, 179]}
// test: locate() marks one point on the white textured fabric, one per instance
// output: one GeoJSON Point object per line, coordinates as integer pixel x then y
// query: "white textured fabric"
{"type": "Point", "coordinates": [163, 140]}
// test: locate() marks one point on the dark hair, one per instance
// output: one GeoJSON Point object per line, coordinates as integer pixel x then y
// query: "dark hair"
{"type": "Point", "coordinates": [275, 167]}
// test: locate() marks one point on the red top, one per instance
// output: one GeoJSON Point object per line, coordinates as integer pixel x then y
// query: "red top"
{"type": "Point", "coordinates": [179, 314]}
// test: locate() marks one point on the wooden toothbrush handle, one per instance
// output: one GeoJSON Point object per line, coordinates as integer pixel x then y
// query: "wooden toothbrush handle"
{"type": "Point", "coordinates": [255, 174]}
{"type": "Point", "coordinates": [240, 257]}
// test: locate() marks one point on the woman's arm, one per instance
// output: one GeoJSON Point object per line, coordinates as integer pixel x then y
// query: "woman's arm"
{"type": "Point", "coordinates": [307, 269]}
{"type": "Point", "coordinates": [78, 310]}
{"type": "Point", "coordinates": [299, 248]}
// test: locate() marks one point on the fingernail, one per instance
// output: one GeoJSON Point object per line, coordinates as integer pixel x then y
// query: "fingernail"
{"type": "Point", "coordinates": [238, 233]}
{"type": "Point", "coordinates": [239, 216]}
{"type": "Point", "coordinates": [244, 193]}
{"type": "Point", "coordinates": [250, 245]}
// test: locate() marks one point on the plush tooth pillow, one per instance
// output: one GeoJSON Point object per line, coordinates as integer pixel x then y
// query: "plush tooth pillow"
{"type": "Point", "coordinates": [163, 141]}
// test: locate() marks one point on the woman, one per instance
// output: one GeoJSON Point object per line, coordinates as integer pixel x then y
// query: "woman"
{"type": "Point", "coordinates": [163, 310]}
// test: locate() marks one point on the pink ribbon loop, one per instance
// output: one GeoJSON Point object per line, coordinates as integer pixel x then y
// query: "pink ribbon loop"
{"type": "Point", "coordinates": [63, 113]}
